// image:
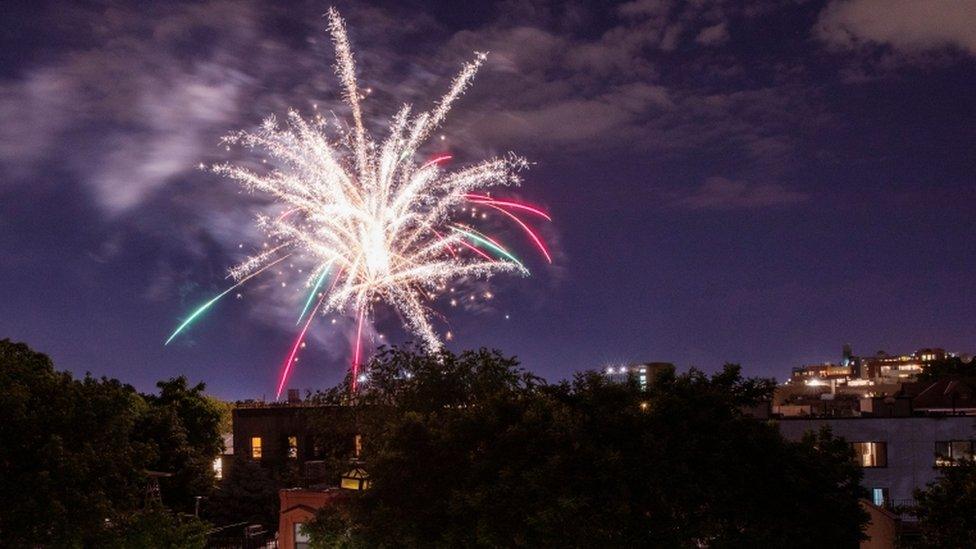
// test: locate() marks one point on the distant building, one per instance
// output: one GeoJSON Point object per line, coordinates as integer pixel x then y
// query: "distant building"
{"type": "Point", "coordinates": [832, 386]}
{"type": "Point", "coordinates": [880, 368]}
{"type": "Point", "coordinates": [645, 373]}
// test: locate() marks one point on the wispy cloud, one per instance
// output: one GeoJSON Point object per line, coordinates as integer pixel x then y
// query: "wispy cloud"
{"type": "Point", "coordinates": [908, 26]}
{"type": "Point", "coordinates": [719, 193]}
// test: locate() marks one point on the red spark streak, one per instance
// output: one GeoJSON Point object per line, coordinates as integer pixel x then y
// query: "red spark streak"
{"type": "Point", "coordinates": [482, 199]}
{"type": "Point", "coordinates": [301, 336]}
{"type": "Point", "coordinates": [437, 160]}
{"type": "Point", "coordinates": [287, 213]}
{"type": "Point", "coordinates": [442, 237]}
{"type": "Point", "coordinates": [531, 233]}
{"type": "Point", "coordinates": [476, 250]}
{"type": "Point", "coordinates": [294, 348]}
{"type": "Point", "coordinates": [355, 361]}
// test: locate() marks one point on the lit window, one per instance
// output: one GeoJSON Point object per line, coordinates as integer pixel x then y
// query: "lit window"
{"type": "Point", "coordinates": [293, 447]}
{"type": "Point", "coordinates": [256, 447]}
{"type": "Point", "coordinates": [879, 497]}
{"type": "Point", "coordinates": [359, 445]}
{"type": "Point", "coordinates": [218, 468]}
{"type": "Point", "coordinates": [952, 452]}
{"type": "Point", "coordinates": [301, 537]}
{"type": "Point", "coordinates": [870, 454]}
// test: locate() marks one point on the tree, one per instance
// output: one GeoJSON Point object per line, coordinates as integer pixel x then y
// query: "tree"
{"type": "Point", "coordinates": [182, 426]}
{"type": "Point", "coordinates": [75, 451]}
{"type": "Point", "coordinates": [249, 493]}
{"type": "Point", "coordinates": [67, 460]}
{"type": "Point", "coordinates": [471, 450]}
{"type": "Point", "coordinates": [950, 367]}
{"type": "Point", "coordinates": [157, 528]}
{"type": "Point", "coordinates": [945, 508]}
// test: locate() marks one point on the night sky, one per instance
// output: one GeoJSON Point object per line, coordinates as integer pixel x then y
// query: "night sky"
{"type": "Point", "coordinates": [756, 182]}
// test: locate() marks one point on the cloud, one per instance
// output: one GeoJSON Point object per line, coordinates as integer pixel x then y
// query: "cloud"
{"type": "Point", "coordinates": [127, 116]}
{"type": "Point", "coordinates": [719, 193]}
{"type": "Point", "coordinates": [713, 35]}
{"type": "Point", "coordinates": [908, 26]}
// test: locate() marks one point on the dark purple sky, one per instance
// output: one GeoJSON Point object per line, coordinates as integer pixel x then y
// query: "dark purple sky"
{"type": "Point", "coordinates": [755, 181]}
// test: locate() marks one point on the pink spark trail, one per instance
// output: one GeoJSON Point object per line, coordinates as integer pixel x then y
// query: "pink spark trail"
{"type": "Point", "coordinates": [355, 360]}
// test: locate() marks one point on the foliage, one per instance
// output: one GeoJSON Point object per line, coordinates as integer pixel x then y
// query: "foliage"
{"type": "Point", "coordinates": [183, 428]}
{"type": "Point", "coordinates": [950, 367]}
{"type": "Point", "coordinates": [945, 508]}
{"type": "Point", "coordinates": [471, 450]}
{"type": "Point", "coordinates": [75, 451]}
{"type": "Point", "coordinates": [226, 410]}
{"type": "Point", "coordinates": [249, 493]}
{"type": "Point", "coordinates": [157, 528]}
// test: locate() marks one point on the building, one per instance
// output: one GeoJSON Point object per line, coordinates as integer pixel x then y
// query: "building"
{"type": "Point", "coordinates": [276, 433]}
{"type": "Point", "coordinates": [836, 388]}
{"type": "Point", "coordinates": [894, 368]}
{"type": "Point", "coordinates": [643, 372]}
{"type": "Point", "coordinates": [902, 440]}
{"type": "Point", "coordinates": [298, 507]}
{"type": "Point", "coordinates": [878, 369]}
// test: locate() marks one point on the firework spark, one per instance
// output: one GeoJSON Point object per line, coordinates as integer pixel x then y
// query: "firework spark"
{"type": "Point", "coordinates": [368, 210]}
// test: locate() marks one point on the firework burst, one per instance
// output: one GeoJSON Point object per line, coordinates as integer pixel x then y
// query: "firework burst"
{"type": "Point", "coordinates": [365, 213]}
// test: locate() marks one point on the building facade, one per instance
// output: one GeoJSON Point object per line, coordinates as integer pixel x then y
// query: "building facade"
{"type": "Point", "coordinates": [284, 434]}
{"type": "Point", "coordinates": [898, 454]}
{"type": "Point", "coordinates": [298, 508]}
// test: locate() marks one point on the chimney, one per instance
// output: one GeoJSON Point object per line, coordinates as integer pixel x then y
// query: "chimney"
{"type": "Point", "coordinates": [293, 396]}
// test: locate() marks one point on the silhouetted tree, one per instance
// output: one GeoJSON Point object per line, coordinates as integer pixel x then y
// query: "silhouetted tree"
{"type": "Point", "coordinates": [950, 367]}
{"type": "Point", "coordinates": [182, 425]}
{"type": "Point", "coordinates": [249, 493]}
{"type": "Point", "coordinates": [471, 450]}
{"type": "Point", "coordinates": [74, 453]}
{"type": "Point", "coordinates": [945, 508]}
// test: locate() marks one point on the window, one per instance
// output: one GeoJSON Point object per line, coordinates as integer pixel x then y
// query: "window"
{"type": "Point", "coordinates": [952, 452]}
{"type": "Point", "coordinates": [293, 447]}
{"type": "Point", "coordinates": [256, 447]}
{"type": "Point", "coordinates": [879, 497]}
{"type": "Point", "coordinates": [359, 446]}
{"type": "Point", "coordinates": [870, 454]}
{"type": "Point", "coordinates": [301, 538]}
{"type": "Point", "coordinates": [218, 468]}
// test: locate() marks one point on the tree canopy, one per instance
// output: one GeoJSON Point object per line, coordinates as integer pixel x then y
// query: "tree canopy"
{"type": "Point", "coordinates": [945, 508]}
{"type": "Point", "coordinates": [472, 450]}
{"type": "Point", "coordinates": [75, 452]}
{"type": "Point", "coordinates": [952, 367]}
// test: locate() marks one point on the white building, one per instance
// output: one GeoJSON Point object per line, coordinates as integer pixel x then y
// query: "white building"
{"type": "Point", "coordinates": [899, 454]}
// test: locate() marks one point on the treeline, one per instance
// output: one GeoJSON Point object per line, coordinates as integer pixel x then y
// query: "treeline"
{"type": "Point", "coordinates": [471, 450]}
{"type": "Point", "coordinates": [75, 457]}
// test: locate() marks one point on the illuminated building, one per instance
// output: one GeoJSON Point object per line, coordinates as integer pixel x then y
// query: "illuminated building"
{"type": "Point", "coordinates": [881, 368]}
{"type": "Point", "coordinates": [644, 373]}
{"type": "Point", "coordinates": [278, 433]}
{"type": "Point", "coordinates": [898, 454]}
{"type": "Point", "coordinates": [901, 440]}
{"type": "Point", "coordinates": [899, 367]}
